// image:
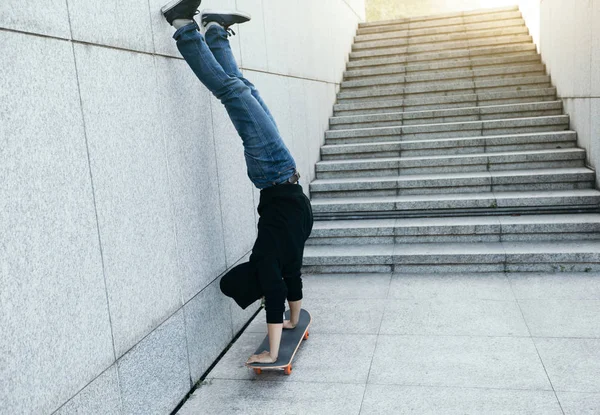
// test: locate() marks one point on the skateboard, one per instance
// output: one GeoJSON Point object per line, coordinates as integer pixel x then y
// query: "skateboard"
{"type": "Point", "coordinates": [290, 341]}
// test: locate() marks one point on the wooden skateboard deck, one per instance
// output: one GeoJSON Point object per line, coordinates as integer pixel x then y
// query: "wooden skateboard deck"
{"type": "Point", "coordinates": [290, 341]}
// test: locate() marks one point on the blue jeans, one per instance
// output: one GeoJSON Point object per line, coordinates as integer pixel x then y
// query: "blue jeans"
{"type": "Point", "coordinates": [268, 160]}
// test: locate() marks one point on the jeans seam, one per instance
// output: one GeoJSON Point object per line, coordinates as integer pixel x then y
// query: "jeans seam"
{"type": "Point", "coordinates": [222, 47]}
{"type": "Point", "coordinates": [257, 127]}
{"type": "Point", "coordinates": [236, 95]}
{"type": "Point", "coordinates": [250, 86]}
{"type": "Point", "coordinates": [214, 72]}
{"type": "Point", "coordinates": [233, 85]}
{"type": "Point", "coordinates": [264, 176]}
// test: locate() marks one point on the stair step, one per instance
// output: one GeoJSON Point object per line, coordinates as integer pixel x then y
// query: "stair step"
{"type": "Point", "coordinates": [445, 88]}
{"type": "Point", "coordinates": [461, 229]}
{"type": "Point", "coordinates": [415, 35]}
{"type": "Point", "coordinates": [488, 51]}
{"type": "Point", "coordinates": [432, 39]}
{"type": "Point", "coordinates": [444, 126]}
{"type": "Point", "coordinates": [498, 72]}
{"type": "Point", "coordinates": [533, 256]}
{"type": "Point", "coordinates": [479, 52]}
{"type": "Point", "coordinates": [454, 163]}
{"type": "Point", "coordinates": [421, 48]}
{"type": "Point", "coordinates": [437, 23]}
{"type": "Point", "coordinates": [439, 16]}
{"type": "Point", "coordinates": [448, 130]}
{"type": "Point", "coordinates": [449, 146]}
{"type": "Point", "coordinates": [448, 183]}
{"type": "Point", "coordinates": [525, 95]}
{"type": "Point", "coordinates": [457, 204]}
{"type": "Point", "coordinates": [441, 68]}
{"type": "Point", "coordinates": [385, 119]}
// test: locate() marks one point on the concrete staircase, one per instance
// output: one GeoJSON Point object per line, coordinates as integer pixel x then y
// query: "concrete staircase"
{"type": "Point", "coordinates": [448, 151]}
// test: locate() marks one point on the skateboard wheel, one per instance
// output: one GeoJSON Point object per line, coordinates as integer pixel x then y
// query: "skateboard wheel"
{"type": "Point", "coordinates": [257, 371]}
{"type": "Point", "coordinates": [288, 370]}
{"type": "Point", "coordinates": [306, 335]}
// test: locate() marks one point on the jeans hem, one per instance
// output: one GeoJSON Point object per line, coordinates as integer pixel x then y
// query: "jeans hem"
{"type": "Point", "coordinates": [190, 26]}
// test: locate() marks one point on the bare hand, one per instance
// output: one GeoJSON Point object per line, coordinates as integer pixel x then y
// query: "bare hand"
{"type": "Point", "coordinates": [287, 324]}
{"type": "Point", "coordinates": [264, 357]}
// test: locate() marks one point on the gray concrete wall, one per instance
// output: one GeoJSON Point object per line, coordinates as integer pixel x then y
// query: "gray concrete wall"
{"type": "Point", "coordinates": [570, 46]}
{"type": "Point", "coordinates": [124, 195]}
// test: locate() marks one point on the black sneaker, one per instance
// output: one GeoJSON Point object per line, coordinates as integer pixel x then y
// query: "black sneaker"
{"type": "Point", "coordinates": [225, 18]}
{"type": "Point", "coordinates": [180, 9]}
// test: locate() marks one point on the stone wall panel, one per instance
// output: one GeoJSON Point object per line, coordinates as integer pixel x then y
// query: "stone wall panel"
{"type": "Point", "coordinates": [188, 133]}
{"type": "Point", "coordinates": [208, 328]}
{"type": "Point", "coordinates": [45, 17]}
{"type": "Point", "coordinates": [54, 319]}
{"type": "Point", "coordinates": [101, 396]}
{"type": "Point", "coordinates": [252, 36]}
{"type": "Point", "coordinates": [123, 24]}
{"type": "Point", "coordinates": [155, 375]}
{"type": "Point", "coordinates": [129, 167]}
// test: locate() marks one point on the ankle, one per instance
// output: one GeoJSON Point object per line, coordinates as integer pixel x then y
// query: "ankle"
{"type": "Point", "coordinates": [287, 324]}
{"type": "Point", "coordinates": [179, 23]}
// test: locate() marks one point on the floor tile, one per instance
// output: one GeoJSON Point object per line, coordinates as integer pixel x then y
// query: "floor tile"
{"type": "Point", "coordinates": [492, 362]}
{"type": "Point", "coordinates": [576, 403]}
{"type": "Point", "coordinates": [486, 286]}
{"type": "Point", "coordinates": [225, 397]}
{"type": "Point", "coordinates": [577, 286]}
{"type": "Point", "coordinates": [562, 318]}
{"type": "Point", "coordinates": [346, 285]}
{"type": "Point", "coordinates": [573, 365]}
{"type": "Point", "coordinates": [393, 399]}
{"type": "Point", "coordinates": [464, 317]}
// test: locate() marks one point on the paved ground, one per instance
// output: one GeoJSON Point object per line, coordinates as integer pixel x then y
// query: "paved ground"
{"type": "Point", "coordinates": [451, 344]}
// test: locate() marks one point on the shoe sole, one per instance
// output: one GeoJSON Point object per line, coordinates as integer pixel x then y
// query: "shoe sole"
{"type": "Point", "coordinates": [169, 6]}
{"type": "Point", "coordinates": [214, 11]}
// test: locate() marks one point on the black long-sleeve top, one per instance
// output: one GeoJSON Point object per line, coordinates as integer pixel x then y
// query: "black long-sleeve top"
{"type": "Point", "coordinates": [285, 223]}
